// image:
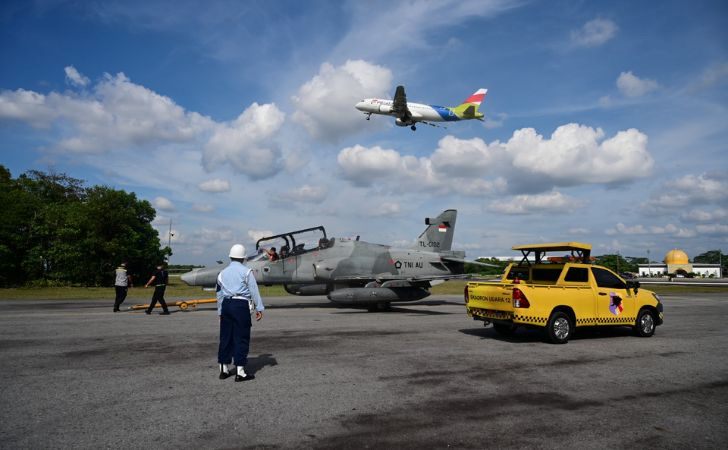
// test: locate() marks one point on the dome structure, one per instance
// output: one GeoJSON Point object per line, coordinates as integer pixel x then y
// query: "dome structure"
{"type": "Point", "coordinates": [676, 256]}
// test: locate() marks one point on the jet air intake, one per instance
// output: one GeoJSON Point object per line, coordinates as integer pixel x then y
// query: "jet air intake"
{"type": "Point", "coordinates": [374, 295]}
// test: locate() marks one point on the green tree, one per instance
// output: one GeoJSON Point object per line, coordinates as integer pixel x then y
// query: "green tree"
{"type": "Point", "coordinates": [617, 263]}
{"type": "Point", "coordinates": [499, 267]}
{"type": "Point", "coordinates": [713, 257]}
{"type": "Point", "coordinates": [55, 230]}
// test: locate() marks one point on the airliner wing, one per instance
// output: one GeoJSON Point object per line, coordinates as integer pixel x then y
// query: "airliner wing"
{"type": "Point", "coordinates": [399, 105]}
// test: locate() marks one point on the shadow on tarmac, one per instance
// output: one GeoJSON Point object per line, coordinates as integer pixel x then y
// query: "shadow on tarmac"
{"type": "Point", "coordinates": [529, 335]}
{"type": "Point", "coordinates": [259, 362]}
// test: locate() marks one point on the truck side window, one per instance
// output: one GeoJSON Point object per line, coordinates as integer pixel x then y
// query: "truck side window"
{"type": "Point", "coordinates": [518, 272]}
{"type": "Point", "coordinates": [607, 279]}
{"type": "Point", "coordinates": [577, 275]}
{"type": "Point", "coordinates": [546, 274]}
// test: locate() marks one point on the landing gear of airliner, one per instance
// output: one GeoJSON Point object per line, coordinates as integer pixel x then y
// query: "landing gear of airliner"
{"type": "Point", "coordinates": [369, 115]}
{"type": "Point", "coordinates": [414, 128]}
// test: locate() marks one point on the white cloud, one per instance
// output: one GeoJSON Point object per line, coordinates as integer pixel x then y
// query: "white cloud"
{"type": "Point", "coordinates": [325, 104]}
{"type": "Point", "coordinates": [579, 231]}
{"type": "Point", "coordinates": [385, 209]}
{"type": "Point", "coordinates": [75, 78]}
{"type": "Point", "coordinates": [534, 204]}
{"type": "Point", "coordinates": [203, 208]}
{"type": "Point", "coordinates": [116, 114]}
{"type": "Point", "coordinates": [631, 85]}
{"type": "Point", "coordinates": [254, 235]}
{"type": "Point", "coordinates": [458, 157]}
{"type": "Point", "coordinates": [639, 229]}
{"type": "Point", "coordinates": [363, 166]}
{"type": "Point", "coordinates": [246, 143]}
{"type": "Point", "coordinates": [594, 33]}
{"type": "Point", "coordinates": [163, 204]}
{"type": "Point", "coordinates": [711, 76]}
{"type": "Point", "coordinates": [305, 194]}
{"type": "Point", "coordinates": [577, 154]}
{"type": "Point", "coordinates": [378, 28]}
{"type": "Point", "coordinates": [700, 215]}
{"type": "Point", "coordinates": [216, 185]}
{"type": "Point", "coordinates": [713, 229]}
{"type": "Point", "coordinates": [527, 162]}
{"type": "Point", "coordinates": [621, 228]}
{"type": "Point", "coordinates": [690, 190]}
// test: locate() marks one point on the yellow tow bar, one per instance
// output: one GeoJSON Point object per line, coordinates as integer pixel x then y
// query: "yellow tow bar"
{"type": "Point", "coordinates": [183, 305]}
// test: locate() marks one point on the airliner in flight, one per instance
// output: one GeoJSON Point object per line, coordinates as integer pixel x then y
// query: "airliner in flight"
{"type": "Point", "coordinates": [408, 114]}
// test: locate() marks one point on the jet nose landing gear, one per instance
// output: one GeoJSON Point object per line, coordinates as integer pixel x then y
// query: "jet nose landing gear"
{"type": "Point", "coordinates": [414, 128]}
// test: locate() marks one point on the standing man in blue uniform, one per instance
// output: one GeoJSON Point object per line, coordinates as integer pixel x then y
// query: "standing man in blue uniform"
{"type": "Point", "coordinates": [159, 279]}
{"type": "Point", "coordinates": [122, 284]}
{"type": "Point", "coordinates": [237, 299]}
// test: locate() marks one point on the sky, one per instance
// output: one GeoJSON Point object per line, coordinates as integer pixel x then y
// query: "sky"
{"type": "Point", "coordinates": [606, 122]}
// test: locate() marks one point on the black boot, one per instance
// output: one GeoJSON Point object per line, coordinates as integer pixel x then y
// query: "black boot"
{"type": "Point", "coordinates": [240, 374]}
{"type": "Point", "coordinates": [224, 374]}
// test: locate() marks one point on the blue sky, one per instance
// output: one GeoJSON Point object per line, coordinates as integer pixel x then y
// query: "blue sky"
{"type": "Point", "coordinates": [605, 121]}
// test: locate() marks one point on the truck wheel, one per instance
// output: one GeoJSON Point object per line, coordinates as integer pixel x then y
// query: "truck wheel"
{"type": "Point", "coordinates": [504, 329]}
{"type": "Point", "coordinates": [559, 328]}
{"type": "Point", "coordinates": [645, 324]}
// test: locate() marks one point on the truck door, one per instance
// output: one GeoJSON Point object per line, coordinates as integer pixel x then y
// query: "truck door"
{"type": "Point", "coordinates": [615, 303]}
{"type": "Point", "coordinates": [584, 304]}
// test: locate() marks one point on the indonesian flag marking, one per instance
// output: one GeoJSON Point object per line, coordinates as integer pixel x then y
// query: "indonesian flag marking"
{"type": "Point", "coordinates": [442, 228]}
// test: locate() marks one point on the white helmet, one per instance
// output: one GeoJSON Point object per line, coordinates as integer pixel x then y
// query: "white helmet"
{"type": "Point", "coordinates": [237, 251]}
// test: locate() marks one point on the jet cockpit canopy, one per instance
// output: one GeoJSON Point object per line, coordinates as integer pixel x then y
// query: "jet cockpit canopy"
{"type": "Point", "coordinates": [295, 242]}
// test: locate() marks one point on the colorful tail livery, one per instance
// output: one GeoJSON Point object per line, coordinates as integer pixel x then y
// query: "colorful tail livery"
{"type": "Point", "coordinates": [408, 114]}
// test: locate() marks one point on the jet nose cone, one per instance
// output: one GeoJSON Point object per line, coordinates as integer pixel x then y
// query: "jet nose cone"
{"type": "Point", "coordinates": [361, 106]}
{"type": "Point", "coordinates": [188, 278]}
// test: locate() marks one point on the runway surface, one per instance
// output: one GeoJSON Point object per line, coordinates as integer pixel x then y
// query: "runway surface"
{"type": "Point", "coordinates": [76, 375]}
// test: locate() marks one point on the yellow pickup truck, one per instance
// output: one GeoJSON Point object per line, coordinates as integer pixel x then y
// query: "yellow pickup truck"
{"type": "Point", "coordinates": [560, 294]}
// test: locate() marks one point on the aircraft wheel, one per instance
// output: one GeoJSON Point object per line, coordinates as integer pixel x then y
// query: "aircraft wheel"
{"type": "Point", "coordinates": [414, 128]}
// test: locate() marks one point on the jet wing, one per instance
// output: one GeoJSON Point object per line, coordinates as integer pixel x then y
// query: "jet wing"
{"type": "Point", "coordinates": [461, 260]}
{"type": "Point", "coordinates": [399, 105]}
{"type": "Point", "coordinates": [402, 280]}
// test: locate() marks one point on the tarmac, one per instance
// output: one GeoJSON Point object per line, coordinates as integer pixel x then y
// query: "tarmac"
{"type": "Point", "coordinates": [424, 375]}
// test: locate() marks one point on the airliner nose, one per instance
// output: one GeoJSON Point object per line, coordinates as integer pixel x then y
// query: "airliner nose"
{"type": "Point", "coordinates": [361, 106]}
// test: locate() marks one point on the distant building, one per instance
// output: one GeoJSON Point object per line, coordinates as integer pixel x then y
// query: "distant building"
{"type": "Point", "coordinates": [676, 262]}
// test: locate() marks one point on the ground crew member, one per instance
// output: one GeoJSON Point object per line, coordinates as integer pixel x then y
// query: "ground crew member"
{"type": "Point", "coordinates": [237, 299]}
{"type": "Point", "coordinates": [159, 279]}
{"type": "Point", "coordinates": [122, 285]}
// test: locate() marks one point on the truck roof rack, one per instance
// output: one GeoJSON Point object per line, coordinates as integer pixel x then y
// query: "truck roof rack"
{"type": "Point", "coordinates": [579, 251]}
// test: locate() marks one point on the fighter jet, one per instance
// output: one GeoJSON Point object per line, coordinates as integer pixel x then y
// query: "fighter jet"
{"type": "Point", "coordinates": [408, 114]}
{"type": "Point", "coordinates": [350, 271]}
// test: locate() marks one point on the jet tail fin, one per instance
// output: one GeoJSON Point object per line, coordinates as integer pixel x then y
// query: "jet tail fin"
{"type": "Point", "coordinates": [469, 108]}
{"type": "Point", "coordinates": [438, 235]}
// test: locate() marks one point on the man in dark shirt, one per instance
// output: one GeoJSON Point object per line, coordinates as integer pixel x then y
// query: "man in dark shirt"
{"type": "Point", "coordinates": [159, 279]}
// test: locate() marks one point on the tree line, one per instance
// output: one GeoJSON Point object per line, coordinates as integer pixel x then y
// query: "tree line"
{"type": "Point", "coordinates": [56, 231]}
{"type": "Point", "coordinates": [616, 262]}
